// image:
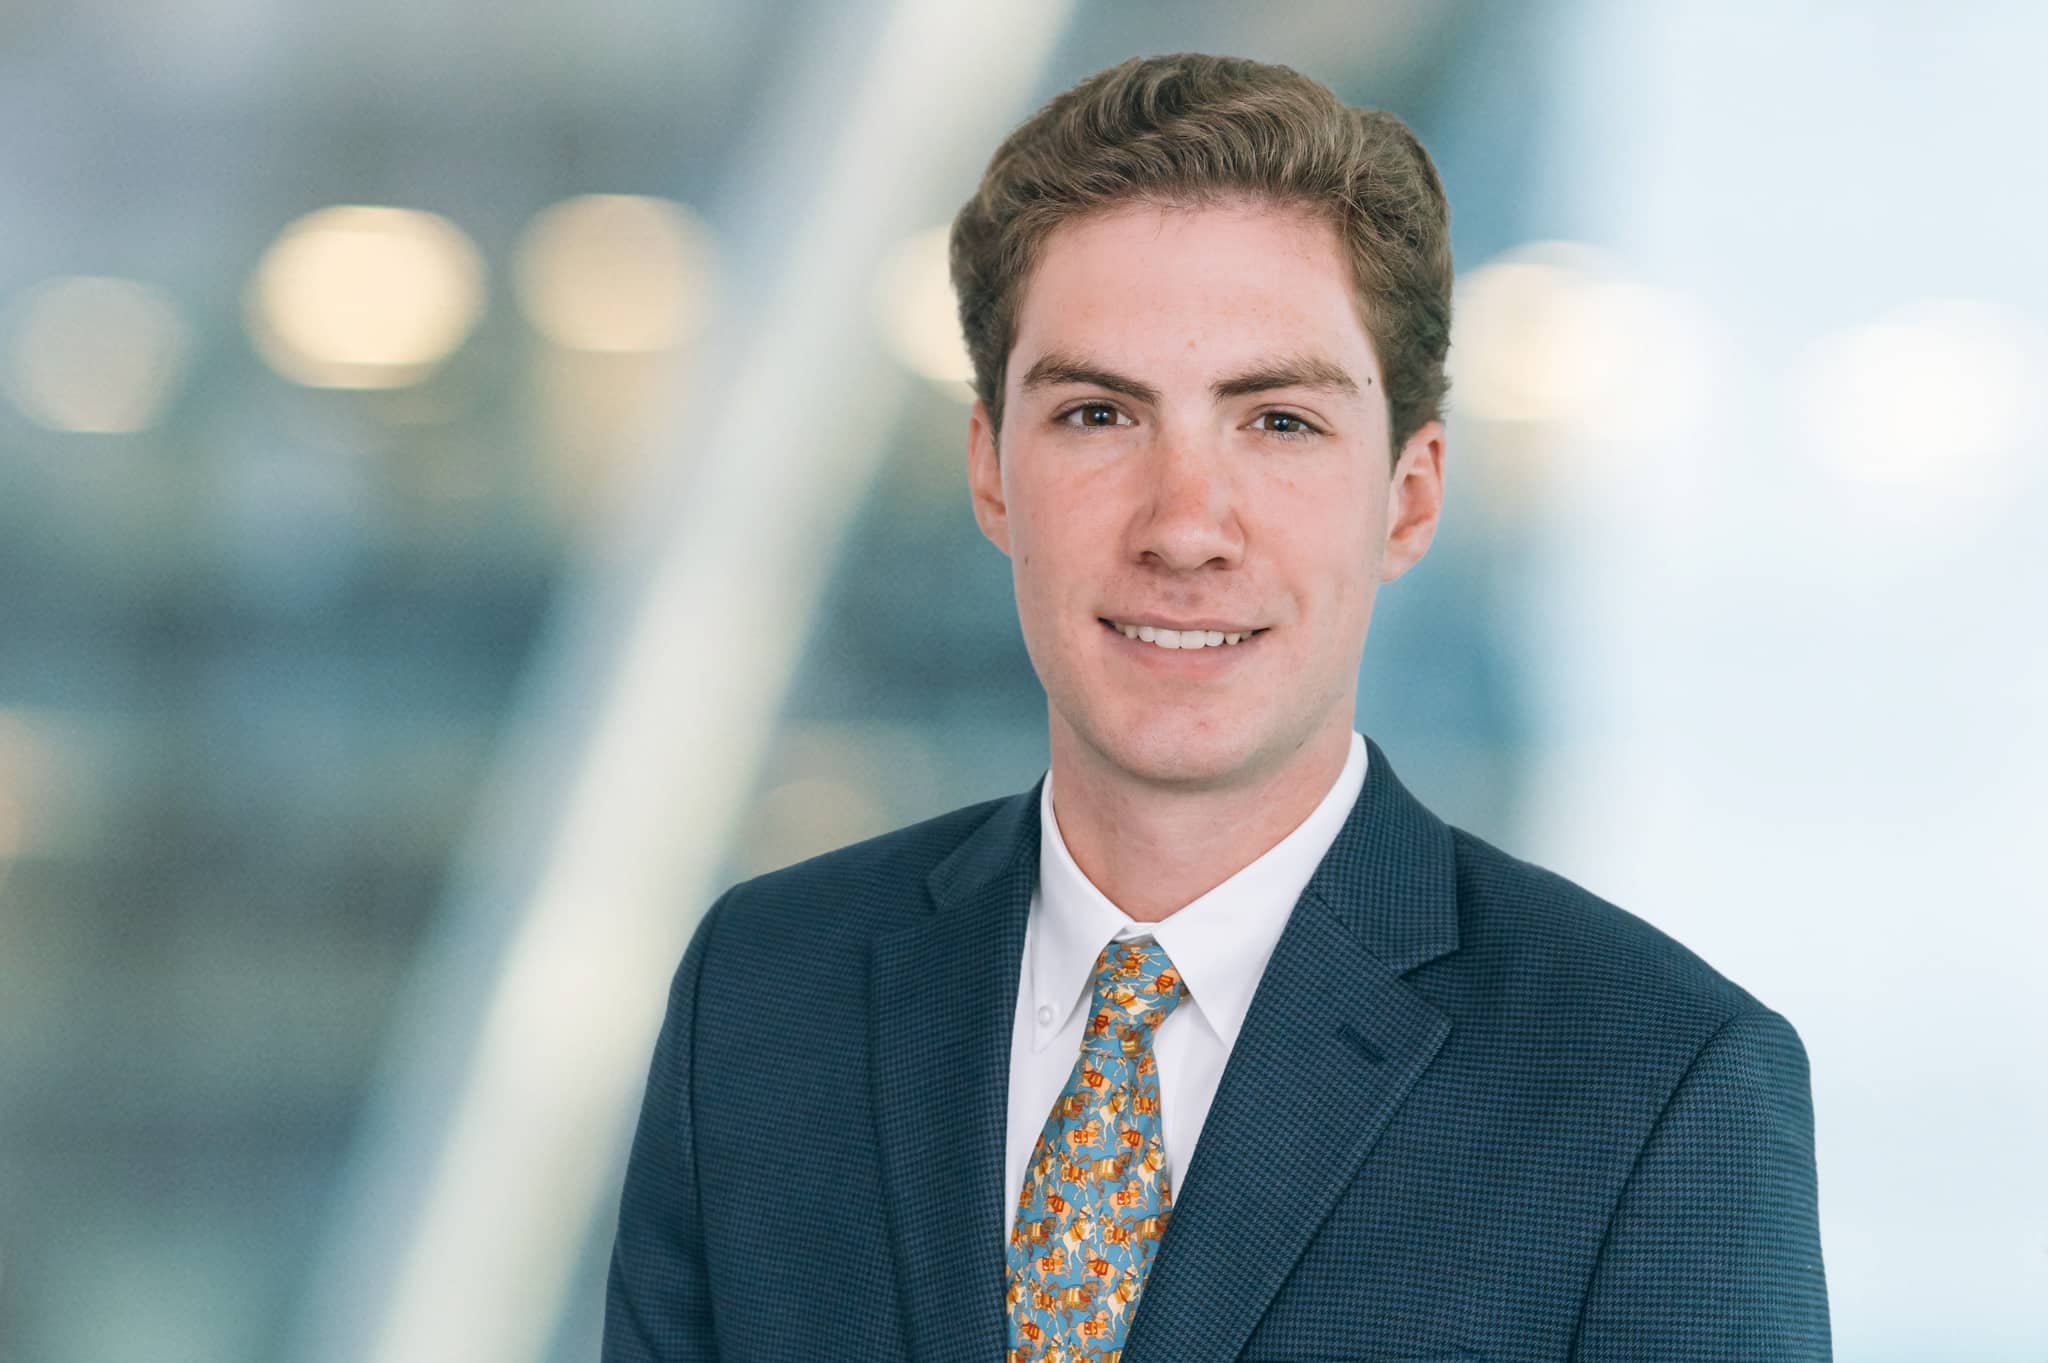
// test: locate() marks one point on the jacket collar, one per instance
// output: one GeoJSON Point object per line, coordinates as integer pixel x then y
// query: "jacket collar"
{"type": "Point", "coordinates": [1390, 878]}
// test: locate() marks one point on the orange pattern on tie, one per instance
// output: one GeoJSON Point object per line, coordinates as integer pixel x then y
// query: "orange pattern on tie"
{"type": "Point", "coordinates": [1095, 1198]}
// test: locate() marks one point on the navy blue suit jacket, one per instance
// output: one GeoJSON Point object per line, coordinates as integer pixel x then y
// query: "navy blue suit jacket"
{"type": "Point", "coordinates": [1474, 1112]}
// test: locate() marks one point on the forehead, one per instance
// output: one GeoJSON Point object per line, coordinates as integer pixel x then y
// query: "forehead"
{"type": "Point", "coordinates": [1166, 289]}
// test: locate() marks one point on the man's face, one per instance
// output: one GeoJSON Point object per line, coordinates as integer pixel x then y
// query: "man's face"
{"type": "Point", "coordinates": [1195, 439]}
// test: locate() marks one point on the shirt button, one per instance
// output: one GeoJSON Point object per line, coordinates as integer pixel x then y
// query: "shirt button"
{"type": "Point", "coordinates": [1045, 1015]}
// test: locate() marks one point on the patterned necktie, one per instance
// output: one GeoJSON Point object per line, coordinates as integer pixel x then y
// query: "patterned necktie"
{"type": "Point", "coordinates": [1095, 1198]}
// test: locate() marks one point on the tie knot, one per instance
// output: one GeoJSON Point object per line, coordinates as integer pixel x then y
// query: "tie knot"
{"type": "Point", "coordinates": [1136, 987]}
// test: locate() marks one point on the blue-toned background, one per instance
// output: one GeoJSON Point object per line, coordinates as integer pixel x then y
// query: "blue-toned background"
{"type": "Point", "coordinates": [477, 478]}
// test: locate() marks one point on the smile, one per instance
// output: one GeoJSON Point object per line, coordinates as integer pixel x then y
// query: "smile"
{"type": "Point", "coordinates": [1161, 637]}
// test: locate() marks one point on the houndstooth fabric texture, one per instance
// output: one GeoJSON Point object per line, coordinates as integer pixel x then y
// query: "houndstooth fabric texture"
{"type": "Point", "coordinates": [1474, 1112]}
{"type": "Point", "coordinates": [1096, 1195]}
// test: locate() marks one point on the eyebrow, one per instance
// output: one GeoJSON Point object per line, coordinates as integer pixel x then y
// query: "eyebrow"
{"type": "Point", "coordinates": [1294, 371]}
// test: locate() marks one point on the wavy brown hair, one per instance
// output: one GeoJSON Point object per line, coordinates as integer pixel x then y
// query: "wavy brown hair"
{"type": "Point", "coordinates": [1195, 130]}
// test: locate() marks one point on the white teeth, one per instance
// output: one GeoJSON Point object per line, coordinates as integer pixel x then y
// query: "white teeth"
{"type": "Point", "coordinates": [1182, 638]}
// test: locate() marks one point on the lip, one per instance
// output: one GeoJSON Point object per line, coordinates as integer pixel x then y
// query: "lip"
{"type": "Point", "coordinates": [1201, 623]}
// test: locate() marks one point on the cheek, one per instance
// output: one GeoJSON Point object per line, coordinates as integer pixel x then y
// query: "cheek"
{"type": "Point", "coordinates": [1326, 537]}
{"type": "Point", "coordinates": [1047, 544]}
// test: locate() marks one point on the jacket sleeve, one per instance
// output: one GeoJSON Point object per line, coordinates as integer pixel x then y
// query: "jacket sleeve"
{"type": "Point", "coordinates": [1713, 1249]}
{"type": "Point", "coordinates": [658, 1296]}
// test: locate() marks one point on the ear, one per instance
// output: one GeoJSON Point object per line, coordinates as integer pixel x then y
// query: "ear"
{"type": "Point", "coordinates": [985, 479]}
{"type": "Point", "coordinates": [1415, 502]}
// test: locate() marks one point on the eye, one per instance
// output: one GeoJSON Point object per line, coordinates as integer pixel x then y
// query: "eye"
{"type": "Point", "coordinates": [1287, 425]}
{"type": "Point", "coordinates": [1095, 415]}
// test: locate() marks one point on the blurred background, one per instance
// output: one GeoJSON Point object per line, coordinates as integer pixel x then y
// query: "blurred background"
{"type": "Point", "coordinates": [477, 479]}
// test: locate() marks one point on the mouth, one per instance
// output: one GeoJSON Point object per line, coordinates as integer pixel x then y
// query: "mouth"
{"type": "Point", "coordinates": [1178, 639]}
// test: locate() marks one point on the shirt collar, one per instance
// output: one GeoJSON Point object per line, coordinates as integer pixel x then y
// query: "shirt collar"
{"type": "Point", "coordinates": [1219, 942]}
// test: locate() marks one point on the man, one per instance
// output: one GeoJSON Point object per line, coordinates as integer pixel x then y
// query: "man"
{"type": "Point", "coordinates": [1217, 1044]}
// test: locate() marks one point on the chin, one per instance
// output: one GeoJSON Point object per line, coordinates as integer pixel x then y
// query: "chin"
{"type": "Point", "coordinates": [1175, 751]}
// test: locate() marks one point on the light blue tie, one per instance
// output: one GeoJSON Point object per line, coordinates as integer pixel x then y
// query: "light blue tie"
{"type": "Point", "coordinates": [1096, 1197]}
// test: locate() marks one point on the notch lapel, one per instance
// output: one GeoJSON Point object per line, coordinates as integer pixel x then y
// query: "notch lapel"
{"type": "Point", "coordinates": [1331, 1045]}
{"type": "Point", "coordinates": [942, 1003]}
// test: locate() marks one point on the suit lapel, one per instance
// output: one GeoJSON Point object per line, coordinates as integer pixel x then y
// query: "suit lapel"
{"type": "Point", "coordinates": [943, 995]}
{"type": "Point", "coordinates": [1330, 1047]}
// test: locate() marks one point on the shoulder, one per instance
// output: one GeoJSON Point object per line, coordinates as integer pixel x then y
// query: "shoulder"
{"type": "Point", "coordinates": [860, 889]}
{"type": "Point", "coordinates": [1546, 959]}
{"type": "Point", "coordinates": [791, 949]}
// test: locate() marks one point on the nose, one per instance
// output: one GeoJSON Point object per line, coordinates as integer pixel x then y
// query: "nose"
{"type": "Point", "coordinates": [1187, 508]}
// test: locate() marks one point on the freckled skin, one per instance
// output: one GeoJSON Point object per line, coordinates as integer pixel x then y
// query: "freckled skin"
{"type": "Point", "coordinates": [1273, 508]}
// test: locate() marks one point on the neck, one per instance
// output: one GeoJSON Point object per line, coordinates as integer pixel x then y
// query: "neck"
{"type": "Point", "coordinates": [1152, 847]}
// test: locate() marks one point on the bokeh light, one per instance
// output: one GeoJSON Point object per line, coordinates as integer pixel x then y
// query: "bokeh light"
{"type": "Point", "coordinates": [615, 272]}
{"type": "Point", "coordinates": [1941, 393]}
{"type": "Point", "coordinates": [356, 296]}
{"type": "Point", "coordinates": [807, 816]}
{"type": "Point", "coordinates": [1526, 346]}
{"type": "Point", "coordinates": [918, 315]}
{"type": "Point", "coordinates": [95, 354]}
{"type": "Point", "coordinates": [1554, 335]}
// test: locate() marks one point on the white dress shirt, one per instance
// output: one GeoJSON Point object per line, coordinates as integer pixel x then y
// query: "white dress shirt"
{"type": "Point", "coordinates": [1220, 943]}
